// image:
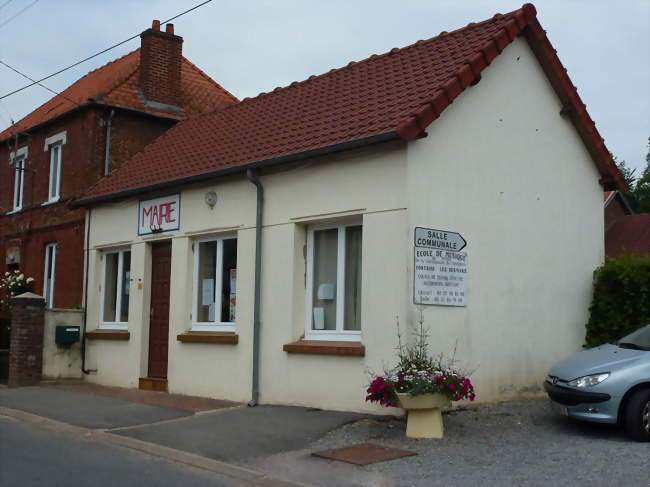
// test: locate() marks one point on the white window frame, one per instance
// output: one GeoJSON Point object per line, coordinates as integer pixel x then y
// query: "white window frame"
{"type": "Point", "coordinates": [48, 293]}
{"type": "Point", "coordinates": [228, 326]}
{"type": "Point", "coordinates": [54, 193]}
{"type": "Point", "coordinates": [18, 159]}
{"type": "Point", "coordinates": [339, 334]}
{"type": "Point", "coordinates": [113, 325]}
{"type": "Point", "coordinates": [56, 140]}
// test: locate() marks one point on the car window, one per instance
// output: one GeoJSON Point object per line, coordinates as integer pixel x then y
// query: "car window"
{"type": "Point", "coordinates": [639, 339]}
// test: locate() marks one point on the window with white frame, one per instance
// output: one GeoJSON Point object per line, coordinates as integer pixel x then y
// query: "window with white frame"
{"type": "Point", "coordinates": [55, 144]}
{"type": "Point", "coordinates": [55, 172]}
{"type": "Point", "coordinates": [333, 308]}
{"type": "Point", "coordinates": [19, 182]}
{"type": "Point", "coordinates": [215, 284]}
{"type": "Point", "coordinates": [115, 287]}
{"type": "Point", "coordinates": [49, 274]}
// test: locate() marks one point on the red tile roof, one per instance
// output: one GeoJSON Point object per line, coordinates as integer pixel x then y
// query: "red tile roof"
{"type": "Point", "coordinates": [630, 233]}
{"type": "Point", "coordinates": [116, 84]}
{"type": "Point", "coordinates": [394, 95]}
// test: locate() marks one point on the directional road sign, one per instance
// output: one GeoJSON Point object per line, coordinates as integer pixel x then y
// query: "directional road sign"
{"type": "Point", "coordinates": [439, 239]}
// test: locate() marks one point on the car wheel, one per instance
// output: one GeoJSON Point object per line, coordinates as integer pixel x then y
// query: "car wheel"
{"type": "Point", "coordinates": [637, 415]}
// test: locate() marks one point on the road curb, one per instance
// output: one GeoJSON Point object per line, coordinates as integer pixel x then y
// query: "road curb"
{"type": "Point", "coordinates": [241, 475]}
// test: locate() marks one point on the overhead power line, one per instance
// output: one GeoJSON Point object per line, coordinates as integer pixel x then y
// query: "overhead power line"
{"type": "Point", "coordinates": [35, 82]}
{"type": "Point", "coordinates": [38, 83]}
{"type": "Point", "coordinates": [5, 4]}
{"type": "Point", "coordinates": [17, 14]}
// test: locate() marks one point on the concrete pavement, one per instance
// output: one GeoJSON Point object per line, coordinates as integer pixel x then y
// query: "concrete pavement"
{"type": "Point", "coordinates": [85, 410]}
{"type": "Point", "coordinates": [240, 434]}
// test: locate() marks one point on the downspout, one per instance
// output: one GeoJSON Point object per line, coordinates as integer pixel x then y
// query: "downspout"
{"type": "Point", "coordinates": [85, 300]}
{"type": "Point", "coordinates": [252, 177]}
{"type": "Point", "coordinates": [107, 151]}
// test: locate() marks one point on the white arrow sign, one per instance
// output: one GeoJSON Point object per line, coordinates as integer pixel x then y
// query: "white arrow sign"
{"type": "Point", "coordinates": [439, 239]}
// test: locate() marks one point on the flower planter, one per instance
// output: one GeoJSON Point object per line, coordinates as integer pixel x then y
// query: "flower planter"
{"type": "Point", "coordinates": [424, 414]}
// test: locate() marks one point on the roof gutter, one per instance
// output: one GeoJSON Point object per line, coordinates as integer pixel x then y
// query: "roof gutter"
{"type": "Point", "coordinates": [321, 151]}
{"type": "Point", "coordinates": [85, 105]}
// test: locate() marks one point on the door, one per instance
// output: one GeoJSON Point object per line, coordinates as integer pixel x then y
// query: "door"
{"type": "Point", "coordinates": [161, 259]}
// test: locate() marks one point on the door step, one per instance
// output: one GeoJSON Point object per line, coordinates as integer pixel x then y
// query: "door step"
{"type": "Point", "coordinates": [153, 384]}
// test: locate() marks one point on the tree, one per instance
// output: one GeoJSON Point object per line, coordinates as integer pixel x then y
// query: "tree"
{"type": "Point", "coordinates": [621, 299]}
{"type": "Point", "coordinates": [642, 187]}
{"type": "Point", "coordinates": [626, 172]}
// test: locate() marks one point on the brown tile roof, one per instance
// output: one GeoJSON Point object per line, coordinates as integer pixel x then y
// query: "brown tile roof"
{"type": "Point", "coordinates": [393, 95]}
{"type": "Point", "coordinates": [115, 84]}
{"type": "Point", "coordinates": [630, 233]}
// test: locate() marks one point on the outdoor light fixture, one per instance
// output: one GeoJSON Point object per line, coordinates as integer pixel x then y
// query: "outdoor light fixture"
{"type": "Point", "coordinates": [211, 199]}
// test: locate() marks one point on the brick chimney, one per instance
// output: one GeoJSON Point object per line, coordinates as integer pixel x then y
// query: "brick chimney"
{"type": "Point", "coordinates": [160, 65]}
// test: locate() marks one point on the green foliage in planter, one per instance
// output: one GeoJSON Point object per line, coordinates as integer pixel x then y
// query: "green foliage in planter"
{"type": "Point", "coordinates": [621, 301]}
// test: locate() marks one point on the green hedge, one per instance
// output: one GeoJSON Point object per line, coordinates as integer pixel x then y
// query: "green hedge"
{"type": "Point", "coordinates": [621, 302]}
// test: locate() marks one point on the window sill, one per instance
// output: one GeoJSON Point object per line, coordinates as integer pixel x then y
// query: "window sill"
{"type": "Point", "coordinates": [51, 202]}
{"type": "Point", "coordinates": [324, 347]}
{"type": "Point", "coordinates": [14, 211]}
{"type": "Point", "coordinates": [208, 337]}
{"type": "Point", "coordinates": [108, 335]}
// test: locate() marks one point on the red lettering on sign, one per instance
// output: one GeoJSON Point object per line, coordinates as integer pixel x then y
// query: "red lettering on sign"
{"type": "Point", "coordinates": [159, 214]}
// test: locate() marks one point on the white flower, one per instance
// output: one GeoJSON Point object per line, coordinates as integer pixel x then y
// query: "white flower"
{"type": "Point", "coordinates": [6, 273]}
{"type": "Point", "coordinates": [20, 277]}
{"type": "Point", "coordinates": [30, 279]}
{"type": "Point", "coordinates": [16, 271]}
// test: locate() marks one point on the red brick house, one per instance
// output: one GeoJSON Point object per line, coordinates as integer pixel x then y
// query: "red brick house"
{"type": "Point", "coordinates": [55, 153]}
{"type": "Point", "coordinates": [625, 231]}
{"type": "Point", "coordinates": [616, 207]}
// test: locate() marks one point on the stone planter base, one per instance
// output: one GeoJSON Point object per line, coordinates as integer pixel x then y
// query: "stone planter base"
{"type": "Point", "coordinates": [424, 414]}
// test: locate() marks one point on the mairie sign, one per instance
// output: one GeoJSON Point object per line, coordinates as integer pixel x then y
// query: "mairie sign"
{"type": "Point", "coordinates": [159, 214]}
{"type": "Point", "coordinates": [439, 239]}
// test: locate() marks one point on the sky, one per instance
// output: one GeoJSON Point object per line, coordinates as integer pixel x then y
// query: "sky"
{"type": "Point", "coordinates": [253, 46]}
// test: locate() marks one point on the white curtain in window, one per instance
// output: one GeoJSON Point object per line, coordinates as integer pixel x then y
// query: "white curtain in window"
{"type": "Point", "coordinates": [352, 321]}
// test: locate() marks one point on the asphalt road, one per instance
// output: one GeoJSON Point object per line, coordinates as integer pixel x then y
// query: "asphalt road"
{"type": "Point", "coordinates": [33, 458]}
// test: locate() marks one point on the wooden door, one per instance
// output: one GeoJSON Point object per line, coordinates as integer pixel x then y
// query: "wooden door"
{"type": "Point", "coordinates": [161, 259]}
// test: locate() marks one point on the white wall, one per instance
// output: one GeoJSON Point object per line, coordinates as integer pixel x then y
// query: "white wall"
{"type": "Point", "coordinates": [61, 362]}
{"type": "Point", "coordinates": [507, 171]}
{"type": "Point", "coordinates": [501, 166]}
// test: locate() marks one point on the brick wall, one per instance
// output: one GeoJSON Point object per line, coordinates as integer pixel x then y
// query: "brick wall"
{"type": "Point", "coordinates": [82, 165]}
{"type": "Point", "coordinates": [614, 210]}
{"type": "Point", "coordinates": [160, 65]}
{"type": "Point", "coordinates": [26, 349]}
{"type": "Point", "coordinates": [130, 133]}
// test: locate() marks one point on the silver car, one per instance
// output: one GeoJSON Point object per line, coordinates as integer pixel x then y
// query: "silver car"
{"type": "Point", "coordinates": [606, 384]}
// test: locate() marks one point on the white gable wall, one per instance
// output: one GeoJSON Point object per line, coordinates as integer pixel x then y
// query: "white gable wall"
{"type": "Point", "coordinates": [506, 170]}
